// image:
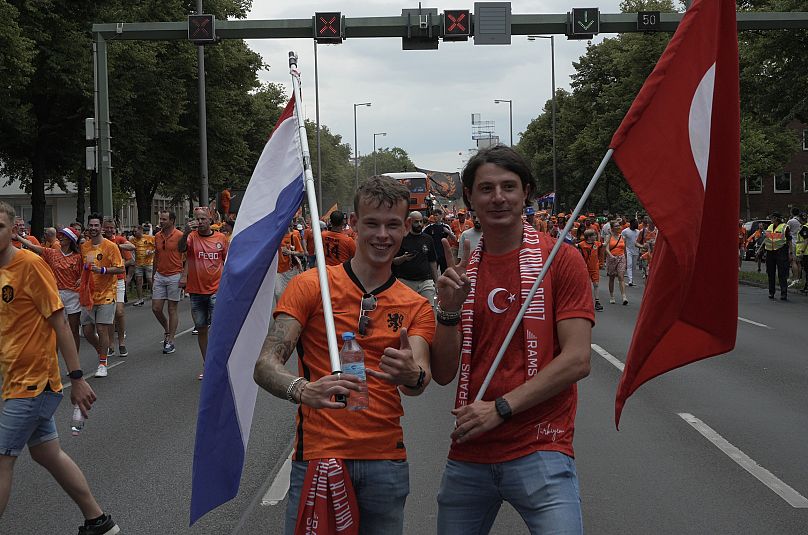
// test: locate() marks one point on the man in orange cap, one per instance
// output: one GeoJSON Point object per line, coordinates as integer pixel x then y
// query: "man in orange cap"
{"type": "Point", "coordinates": [461, 223]}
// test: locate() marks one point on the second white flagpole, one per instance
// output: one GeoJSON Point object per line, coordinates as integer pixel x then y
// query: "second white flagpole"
{"type": "Point", "coordinates": [559, 242]}
{"type": "Point", "coordinates": [311, 197]}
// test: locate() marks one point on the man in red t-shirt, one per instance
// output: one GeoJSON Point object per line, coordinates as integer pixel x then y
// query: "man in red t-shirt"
{"type": "Point", "coordinates": [524, 423]}
{"type": "Point", "coordinates": [206, 251]}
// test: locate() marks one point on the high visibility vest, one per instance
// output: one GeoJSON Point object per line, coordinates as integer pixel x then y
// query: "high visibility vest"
{"type": "Point", "coordinates": [775, 237]}
{"type": "Point", "coordinates": [802, 244]}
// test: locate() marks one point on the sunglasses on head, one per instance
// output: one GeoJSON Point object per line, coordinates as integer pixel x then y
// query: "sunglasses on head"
{"type": "Point", "coordinates": [368, 304]}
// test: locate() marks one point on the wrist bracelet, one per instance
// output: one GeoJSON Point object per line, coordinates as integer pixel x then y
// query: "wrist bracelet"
{"type": "Point", "coordinates": [291, 388]}
{"type": "Point", "coordinates": [300, 393]}
{"type": "Point", "coordinates": [448, 315]}
{"type": "Point", "coordinates": [447, 322]}
{"type": "Point", "coordinates": [103, 271]}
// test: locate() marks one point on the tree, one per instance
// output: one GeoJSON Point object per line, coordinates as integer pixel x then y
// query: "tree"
{"type": "Point", "coordinates": [385, 160]}
{"type": "Point", "coordinates": [338, 171]}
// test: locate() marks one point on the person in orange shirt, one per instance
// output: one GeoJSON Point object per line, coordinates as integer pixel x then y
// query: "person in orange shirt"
{"type": "Point", "coordinates": [127, 250]}
{"type": "Point", "coordinates": [337, 246]}
{"type": "Point", "coordinates": [616, 260]}
{"type": "Point", "coordinates": [103, 258]}
{"type": "Point", "coordinates": [32, 325]}
{"type": "Point", "coordinates": [144, 258]}
{"type": "Point", "coordinates": [205, 252]}
{"type": "Point", "coordinates": [167, 269]}
{"type": "Point", "coordinates": [290, 251]}
{"type": "Point", "coordinates": [51, 240]}
{"type": "Point", "coordinates": [21, 229]}
{"type": "Point", "coordinates": [592, 250]}
{"type": "Point", "coordinates": [66, 264]}
{"type": "Point", "coordinates": [393, 325]}
{"type": "Point", "coordinates": [461, 223]}
{"type": "Point", "coordinates": [311, 257]}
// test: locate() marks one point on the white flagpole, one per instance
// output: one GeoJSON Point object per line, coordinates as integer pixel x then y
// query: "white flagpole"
{"type": "Point", "coordinates": [311, 196]}
{"type": "Point", "coordinates": [542, 273]}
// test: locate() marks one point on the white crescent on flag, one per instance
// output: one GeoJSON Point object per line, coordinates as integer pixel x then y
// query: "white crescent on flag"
{"type": "Point", "coordinates": [699, 121]}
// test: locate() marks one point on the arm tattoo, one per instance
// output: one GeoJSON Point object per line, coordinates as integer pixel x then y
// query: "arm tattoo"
{"type": "Point", "coordinates": [270, 371]}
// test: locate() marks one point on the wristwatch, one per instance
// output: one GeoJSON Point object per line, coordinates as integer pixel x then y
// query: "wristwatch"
{"type": "Point", "coordinates": [421, 378]}
{"type": "Point", "coordinates": [503, 408]}
{"type": "Point", "coordinates": [76, 374]}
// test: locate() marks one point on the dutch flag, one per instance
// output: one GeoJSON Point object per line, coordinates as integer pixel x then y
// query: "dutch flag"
{"type": "Point", "coordinates": [243, 312]}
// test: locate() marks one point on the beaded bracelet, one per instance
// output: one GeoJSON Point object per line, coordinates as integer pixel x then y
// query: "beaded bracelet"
{"type": "Point", "coordinates": [291, 388]}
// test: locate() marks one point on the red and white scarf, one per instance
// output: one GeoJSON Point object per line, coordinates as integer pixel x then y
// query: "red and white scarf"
{"type": "Point", "coordinates": [327, 501]}
{"type": "Point", "coordinates": [531, 261]}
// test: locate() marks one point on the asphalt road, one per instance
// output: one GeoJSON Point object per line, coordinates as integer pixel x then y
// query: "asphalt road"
{"type": "Point", "coordinates": [658, 474]}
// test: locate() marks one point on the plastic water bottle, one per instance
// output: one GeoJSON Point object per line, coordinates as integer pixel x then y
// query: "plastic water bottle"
{"type": "Point", "coordinates": [352, 358]}
{"type": "Point", "coordinates": [77, 422]}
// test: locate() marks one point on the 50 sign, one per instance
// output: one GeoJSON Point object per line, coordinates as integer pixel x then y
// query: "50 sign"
{"type": "Point", "coordinates": [648, 21]}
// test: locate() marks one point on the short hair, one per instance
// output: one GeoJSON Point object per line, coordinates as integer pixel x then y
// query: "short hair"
{"type": "Point", "coordinates": [94, 215]}
{"type": "Point", "coordinates": [137, 227]}
{"type": "Point", "coordinates": [7, 209]}
{"type": "Point", "coordinates": [501, 156]}
{"type": "Point", "coordinates": [383, 191]}
{"type": "Point", "coordinates": [171, 215]}
{"type": "Point", "coordinates": [76, 224]}
{"type": "Point", "coordinates": [337, 219]}
{"type": "Point", "coordinates": [415, 213]}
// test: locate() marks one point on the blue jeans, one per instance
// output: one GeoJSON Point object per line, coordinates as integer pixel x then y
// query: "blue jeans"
{"type": "Point", "coordinates": [28, 421]}
{"type": "Point", "coordinates": [381, 489]}
{"type": "Point", "coordinates": [202, 306]}
{"type": "Point", "coordinates": [542, 487]}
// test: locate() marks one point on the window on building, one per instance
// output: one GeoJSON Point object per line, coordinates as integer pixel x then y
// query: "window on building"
{"type": "Point", "coordinates": [754, 185]}
{"type": "Point", "coordinates": [782, 183]}
{"type": "Point", "coordinates": [805, 140]}
{"type": "Point", "coordinates": [805, 182]}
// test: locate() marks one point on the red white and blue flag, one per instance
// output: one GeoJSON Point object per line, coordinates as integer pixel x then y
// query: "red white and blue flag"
{"type": "Point", "coordinates": [243, 311]}
{"type": "Point", "coordinates": [679, 149]}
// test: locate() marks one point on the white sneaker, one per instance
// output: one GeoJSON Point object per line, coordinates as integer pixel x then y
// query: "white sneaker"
{"type": "Point", "coordinates": [102, 371]}
{"type": "Point", "coordinates": [611, 300]}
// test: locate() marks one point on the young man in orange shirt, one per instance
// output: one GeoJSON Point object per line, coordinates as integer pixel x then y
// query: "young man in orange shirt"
{"type": "Point", "coordinates": [592, 251]}
{"type": "Point", "coordinates": [144, 259]}
{"type": "Point", "coordinates": [32, 324]}
{"type": "Point", "coordinates": [21, 229]}
{"type": "Point", "coordinates": [103, 258]}
{"type": "Point", "coordinates": [167, 269]}
{"type": "Point", "coordinates": [206, 251]}
{"type": "Point", "coordinates": [127, 254]}
{"type": "Point", "coordinates": [290, 253]}
{"type": "Point", "coordinates": [394, 328]}
{"type": "Point", "coordinates": [338, 247]}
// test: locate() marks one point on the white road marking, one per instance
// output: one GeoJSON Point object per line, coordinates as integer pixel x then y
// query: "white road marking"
{"type": "Point", "coordinates": [186, 331]}
{"type": "Point", "coordinates": [65, 387]}
{"type": "Point", "coordinates": [754, 323]}
{"type": "Point", "coordinates": [280, 485]}
{"type": "Point", "coordinates": [791, 496]}
{"type": "Point", "coordinates": [608, 356]}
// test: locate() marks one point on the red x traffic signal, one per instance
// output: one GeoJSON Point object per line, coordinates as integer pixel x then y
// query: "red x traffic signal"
{"type": "Point", "coordinates": [201, 28]}
{"type": "Point", "coordinates": [456, 24]}
{"type": "Point", "coordinates": [328, 27]}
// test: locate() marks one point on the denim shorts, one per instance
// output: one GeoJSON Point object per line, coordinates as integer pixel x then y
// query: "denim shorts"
{"type": "Point", "coordinates": [541, 486]}
{"type": "Point", "coordinates": [202, 306]}
{"type": "Point", "coordinates": [28, 421]}
{"type": "Point", "coordinates": [381, 489]}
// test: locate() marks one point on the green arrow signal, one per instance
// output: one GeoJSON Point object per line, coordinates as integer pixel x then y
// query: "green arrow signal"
{"type": "Point", "coordinates": [586, 23]}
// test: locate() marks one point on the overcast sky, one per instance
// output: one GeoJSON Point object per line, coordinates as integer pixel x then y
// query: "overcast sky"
{"type": "Point", "coordinates": [422, 99]}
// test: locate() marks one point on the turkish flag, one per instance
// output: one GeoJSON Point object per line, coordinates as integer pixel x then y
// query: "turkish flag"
{"type": "Point", "coordinates": [679, 149]}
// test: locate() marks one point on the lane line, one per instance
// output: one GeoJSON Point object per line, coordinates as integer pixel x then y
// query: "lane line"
{"type": "Point", "coordinates": [186, 331]}
{"type": "Point", "coordinates": [753, 323]}
{"type": "Point", "coordinates": [89, 375]}
{"type": "Point", "coordinates": [280, 485]}
{"type": "Point", "coordinates": [791, 496]}
{"type": "Point", "coordinates": [608, 356]}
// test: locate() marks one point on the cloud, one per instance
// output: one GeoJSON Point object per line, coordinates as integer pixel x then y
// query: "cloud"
{"type": "Point", "coordinates": [422, 99]}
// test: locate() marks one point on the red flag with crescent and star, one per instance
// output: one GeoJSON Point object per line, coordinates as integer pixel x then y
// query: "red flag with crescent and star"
{"type": "Point", "coordinates": [679, 149]}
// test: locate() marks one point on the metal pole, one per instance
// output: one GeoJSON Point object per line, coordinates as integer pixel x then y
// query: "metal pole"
{"type": "Point", "coordinates": [375, 171]}
{"type": "Point", "coordinates": [555, 178]}
{"type": "Point", "coordinates": [203, 126]}
{"type": "Point", "coordinates": [330, 329]}
{"type": "Point", "coordinates": [355, 153]}
{"type": "Point", "coordinates": [510, 110]}
{"type": "Point", "coordinates": [319, 154]}
{"type": "Point", "coordinates": [105, 157]}
{"type": "Point", "coordinates": [559, 242]}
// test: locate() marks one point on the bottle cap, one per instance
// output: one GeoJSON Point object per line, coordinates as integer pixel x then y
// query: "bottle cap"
{"type": "Point", "coordinates": [348, 336]}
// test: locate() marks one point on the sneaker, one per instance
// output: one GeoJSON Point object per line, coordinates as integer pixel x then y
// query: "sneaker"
{"type": "Point", "coordinates": [105, 526]}
{"type": "Point", "coordinates": [168, 348]}
{"type": "Point", "coordinates": [625, 301]}
{"type": "Point", "coordinates": [101, 371]}
{"type": "Point", "coordinates": [200, 376]}
{"type": "Point", "coordinates": [598, 306]}
{"type": "Point", "coordinates": [138, 303]}
{"type": "Point", "coordinates": [771, 296]}
{"type": "Point", "coordinates": [122, 352]}
{"type": "Point", "coordinates": [611, 301]}
{"type": "Point", "coordinates": [631, 284]}
{"type": "Point", "coordinates": [110, 351]}
{"type": "Point", "coordinates": [194, 332]}
{"type": "Point", "coordinates": [794, 283]}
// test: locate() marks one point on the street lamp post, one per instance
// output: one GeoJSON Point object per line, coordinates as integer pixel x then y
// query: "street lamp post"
{"type": "Point", "coordinates": [553, 100]}
{"type": "Point", "coordinates": [375, 170]}
{"type": "Point", "coordinates": [356, 153]}
{"type": "Point", "coordinates": [510, 113]}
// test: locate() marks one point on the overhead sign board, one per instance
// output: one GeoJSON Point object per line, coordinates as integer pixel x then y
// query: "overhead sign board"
{"type": "Point", "coordinates": [648, 21]}
{"type": "Point", "coordinates": [585, 21]}
{"type": "Point", "coordinates": [456, 24]}
{"type": "Point", "coordinates": [202, 28]}
{"type": "Point", "coordinates": [492, 23]}
{"type": "Point", "coordinates": [328, 27]}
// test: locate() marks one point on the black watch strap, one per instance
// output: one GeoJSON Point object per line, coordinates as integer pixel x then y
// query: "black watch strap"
{"type": "Point", "coordinates": [421, 378]}
{"type": "Point", "coordinates": [76, 374]}
{"type": "Point", "coordinates": [503, 408]}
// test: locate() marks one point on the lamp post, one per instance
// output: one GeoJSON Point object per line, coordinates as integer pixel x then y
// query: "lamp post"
{"type": "Point", "coordinates": [553, 100]}
{"type": "Point", "coordinates": [510, 113]}
{"type": "Point", "coordinates": [376, 171]}
{"type": "Point", "coordinates": [355, 151]}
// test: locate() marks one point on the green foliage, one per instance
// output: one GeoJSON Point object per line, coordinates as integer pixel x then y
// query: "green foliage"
{"type": "Point", "coordinates": [385, 160]}
{"type": "Point", "coordinates": [338, 171]}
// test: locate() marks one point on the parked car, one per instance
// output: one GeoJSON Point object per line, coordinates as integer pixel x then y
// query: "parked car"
{"type": "Point", "coordinates": [750, 227]}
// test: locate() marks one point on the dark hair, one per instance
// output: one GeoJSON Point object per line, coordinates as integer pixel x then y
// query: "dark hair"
{"type": "Point", "coordinates": [795, 211]}
{"type": "Point", "coordinates": [382, 190]}
{"type": "Point", "coordinates": [73, 246]}
{"type": "Point", "coordinates": [337, 219]}
{"type": "Point", "coordinates": [633, 225]}
{"type": "Point", "coordinates": [92, 216]}
{"type": "Point", "coordinates": [501, 156]}
{"type": "Point", "coordinates": [171, 215]}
